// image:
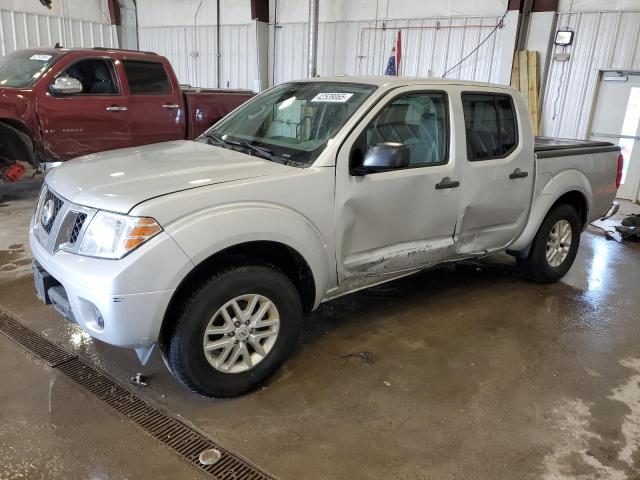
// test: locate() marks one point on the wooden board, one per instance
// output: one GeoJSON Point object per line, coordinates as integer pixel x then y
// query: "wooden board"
{"type": "Point", "coordinates": [523, 60]}
{"type": "Point", "coordinates": [515, 72]}
{"type": "Point", "coordinates": [532, 80]}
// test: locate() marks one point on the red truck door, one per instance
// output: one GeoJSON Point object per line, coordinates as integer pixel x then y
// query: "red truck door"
{"type": "Point", "coordinates": [91, 121]}
{"type": "Point", "coordinates": [155, 103]}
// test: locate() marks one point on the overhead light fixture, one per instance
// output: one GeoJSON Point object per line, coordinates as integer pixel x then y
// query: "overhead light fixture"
{"type": "Point", "coordinates": [563, 38]}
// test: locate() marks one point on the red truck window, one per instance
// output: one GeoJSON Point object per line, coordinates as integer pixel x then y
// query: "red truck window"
{"type": "Point", "coordinates": [147, 78]}
{"type": "Point", "coordinates": [96, 76]}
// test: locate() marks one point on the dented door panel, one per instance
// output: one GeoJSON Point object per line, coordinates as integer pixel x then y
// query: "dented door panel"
{"type": "Point", "coordinates": [397, 221]}
{"type": "Point", "coordinates": [494, 206]}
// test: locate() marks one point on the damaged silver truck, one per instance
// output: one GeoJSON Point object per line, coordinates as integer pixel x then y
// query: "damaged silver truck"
{"type": "Point", "coordinates": [213, 249]}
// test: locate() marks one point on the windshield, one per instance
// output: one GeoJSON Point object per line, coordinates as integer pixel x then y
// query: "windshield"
{"type": "Point", "coordinates": [22, 68]}
{"type": "Point", "coordinates": [290, 123]}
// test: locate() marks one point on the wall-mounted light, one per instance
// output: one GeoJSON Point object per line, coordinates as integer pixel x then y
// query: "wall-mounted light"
{"type": "Point", "coordinates": [563, 38]}
{"type": "Point", "coordinates": [46, 3]}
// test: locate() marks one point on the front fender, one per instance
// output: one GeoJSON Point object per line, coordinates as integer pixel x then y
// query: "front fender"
{"type": "Point", "coordinates": [564, 182]}
{"type": "Point", "coordinates": [211, 231]}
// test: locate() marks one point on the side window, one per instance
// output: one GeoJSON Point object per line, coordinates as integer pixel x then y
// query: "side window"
{"type": "Point", "coordinates": [490, 123]}
{"type": "Point", "coordinates": [96, 76]}
{"type": "Point", "coordinates": [146, 78]}
{"type": "Point", "coordinates": [418, 120]}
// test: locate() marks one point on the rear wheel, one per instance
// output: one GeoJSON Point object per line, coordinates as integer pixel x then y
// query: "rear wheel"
{"type": "Point", "coordinates": [235, 331]}
{"type": "Point", "coordinates": [555, 246]}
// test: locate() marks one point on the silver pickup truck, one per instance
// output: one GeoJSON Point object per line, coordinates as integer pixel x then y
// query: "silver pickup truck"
{"type": "Point", "coordinates": [214, 248]}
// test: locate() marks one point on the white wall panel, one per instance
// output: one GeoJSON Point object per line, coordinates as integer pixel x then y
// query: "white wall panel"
{"type": "Point", "coordinates": [603, 40]}
{"type": "Point", "coordinates": [193, 52]}
{"type": "Point", "coordinates": [24, 30]}
{"type": "Point", "coordinates": [430, 47]}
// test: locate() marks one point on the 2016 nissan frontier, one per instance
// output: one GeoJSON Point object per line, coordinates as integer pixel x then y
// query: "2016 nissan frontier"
{"type": "Point", "coordinates": [214, 248]}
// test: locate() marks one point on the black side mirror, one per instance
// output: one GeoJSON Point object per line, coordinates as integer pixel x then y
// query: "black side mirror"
{"type": "Point", "coordinates": [384, 157]}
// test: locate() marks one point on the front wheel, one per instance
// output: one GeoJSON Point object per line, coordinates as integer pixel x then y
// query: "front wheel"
{"type": "Point", "coordinates": [554, 247]}
{"type": "Point", "coordinates": [235, 331]}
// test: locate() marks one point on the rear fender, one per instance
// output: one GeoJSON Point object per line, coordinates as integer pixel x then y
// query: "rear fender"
{"type": "Point", "coordinates": [559, 185]}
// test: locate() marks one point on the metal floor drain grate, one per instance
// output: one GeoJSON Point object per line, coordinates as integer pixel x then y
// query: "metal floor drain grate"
{"type": "Point", "coordinates": [171, 432]}
{"type": "Point", "coordinates": [36, 344]}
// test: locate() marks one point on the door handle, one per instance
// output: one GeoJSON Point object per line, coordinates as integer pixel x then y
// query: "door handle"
{"type": "Point", "coordinates": [517, 173]}
{"type": "Point", "coordinates": [170, 106]}
{"type": "Point", "coordinates": [116, 108]}
{"type": "Point", "coordinates": [446, 182]}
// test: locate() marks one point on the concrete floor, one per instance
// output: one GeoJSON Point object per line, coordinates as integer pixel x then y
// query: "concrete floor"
{"type": "Point", "coordinates": [477, 373]}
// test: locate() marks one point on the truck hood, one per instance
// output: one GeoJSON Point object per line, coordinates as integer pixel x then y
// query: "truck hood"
{"type": "Point", "coordinates": [120, 179]}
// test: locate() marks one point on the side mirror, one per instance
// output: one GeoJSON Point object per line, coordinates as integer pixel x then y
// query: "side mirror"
{"type": "Point", "coordinates": [66, 86]}
{"type": "Point", "coordinates": [384, 157]}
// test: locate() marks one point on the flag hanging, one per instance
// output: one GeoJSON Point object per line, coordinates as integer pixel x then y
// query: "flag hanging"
{"type": "Point", "coordinates": [393, 66]}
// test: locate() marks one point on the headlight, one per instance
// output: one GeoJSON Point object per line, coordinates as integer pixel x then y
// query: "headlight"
{"type": "Point", "coordinates": [110, 235]}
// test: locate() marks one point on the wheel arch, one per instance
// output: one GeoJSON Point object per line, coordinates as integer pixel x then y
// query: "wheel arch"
{"type": "Point", "coordinates": [20, 143]}
{"type": "Point", "coordinates": [574, 195]}
{"type": "Point", "coordinates": [262, 252]}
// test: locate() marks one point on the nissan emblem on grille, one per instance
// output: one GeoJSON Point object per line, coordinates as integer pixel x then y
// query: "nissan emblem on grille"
{"type": "Point", "coordinates": [48, 210]}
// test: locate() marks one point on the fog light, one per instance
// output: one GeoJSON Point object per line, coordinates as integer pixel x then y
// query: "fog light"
{"type": "Point", "coordinates": [95, 316]}
{"type": "Point", "coordinates": [99, 319]}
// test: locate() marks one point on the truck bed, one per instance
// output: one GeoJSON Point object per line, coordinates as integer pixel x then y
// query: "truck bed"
{"type": "Point", "coordinates": [546, 147]}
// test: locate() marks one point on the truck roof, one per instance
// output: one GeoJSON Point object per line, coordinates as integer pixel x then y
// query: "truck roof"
{"type": "Point", "coordinates": [91, 51]}
{"type": "Point", "coordinates": [389, 81]}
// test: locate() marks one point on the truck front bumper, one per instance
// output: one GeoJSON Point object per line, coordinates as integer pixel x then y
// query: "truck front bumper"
{"type": "Point", "coordinates": [120, 302]}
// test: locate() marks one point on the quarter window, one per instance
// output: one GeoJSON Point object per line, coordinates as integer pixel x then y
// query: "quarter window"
{"type": "Point", "coordinates": [146, 78]}
{"type": "Point", "coordinates": [490, 124]}
{"type": "Point", "coordinates": [418, 120]}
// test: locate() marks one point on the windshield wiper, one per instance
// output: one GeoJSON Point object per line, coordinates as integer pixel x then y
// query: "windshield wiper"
{"type": "Point", "coordinates": [262, 152]}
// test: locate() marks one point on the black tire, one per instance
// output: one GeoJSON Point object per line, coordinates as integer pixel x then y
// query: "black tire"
{"type": "Point", "coordinates": [536, 266]}
{"type": "Point", "coordinates": [184, 350]}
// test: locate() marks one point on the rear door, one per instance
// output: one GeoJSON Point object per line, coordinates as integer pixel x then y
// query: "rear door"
{"type": "Point", "coordinates": [396, 221]}
{"type": "Point", "coordinates": [155, 103]}
{"type": "Point", "coordinates": [498, 172]}
{"type": "Point", "coordinates": [91, 121]}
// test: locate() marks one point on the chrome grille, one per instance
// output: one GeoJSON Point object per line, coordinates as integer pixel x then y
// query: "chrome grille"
{"type": "Point", "coordinates": [53, 199]}
{"type": "Point", "coordinates": [77, 227]}
{"type": "Point", "coordinates": [61, 226]}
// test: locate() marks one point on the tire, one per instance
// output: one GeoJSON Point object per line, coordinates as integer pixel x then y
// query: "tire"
{"type": "Point", "coordinates": [235, 288]}
{"type": "Point", "coordinates": [537, 266]}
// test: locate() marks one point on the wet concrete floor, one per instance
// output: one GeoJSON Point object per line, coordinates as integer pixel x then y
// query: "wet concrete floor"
{"type": "Point", "coordinates": [476, 373]}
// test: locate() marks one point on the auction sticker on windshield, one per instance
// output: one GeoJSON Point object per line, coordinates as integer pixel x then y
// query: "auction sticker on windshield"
{"type": "Point", "coordinates": [42, 58]}
{"type": "Point", "coordinates": [332, 97]}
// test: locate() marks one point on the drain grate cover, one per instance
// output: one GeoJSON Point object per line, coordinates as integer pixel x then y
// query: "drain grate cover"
{"type": "Point", "coordinates": [171, 432]}
{"type": "Point", "coordinates": [36, 344]}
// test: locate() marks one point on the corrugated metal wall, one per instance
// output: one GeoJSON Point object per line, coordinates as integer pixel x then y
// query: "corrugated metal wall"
{"type": "Point", "coordinates": [22, 30]}
{"type": "Point", "coordinates": [238, 53]}
{"type": "Point", "coordinates": [603, 40]}
{"type": "Point", "coordinates": [430, 46]}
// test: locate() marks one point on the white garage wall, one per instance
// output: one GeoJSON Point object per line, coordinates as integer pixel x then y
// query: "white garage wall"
{"type": "Point", "coordinates": [73, 23]}
{"type": "Point", "coordinates": [430, 47]}
{"type": "Point", "coordinates": [189, 42]}
{"type": "Point", "coordinates": [355, 38]}
{"type": "Point", "coordinates": [603, 40]}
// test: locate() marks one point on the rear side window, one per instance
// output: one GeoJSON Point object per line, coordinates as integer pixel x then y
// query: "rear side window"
{"type": "Point", "coordinates": [490, 123]}
{"type": "Point", "coordinates": [147, 78]}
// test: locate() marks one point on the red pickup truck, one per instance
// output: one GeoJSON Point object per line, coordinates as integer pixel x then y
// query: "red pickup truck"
{"type": "Point", "coordinates": [59, 103]}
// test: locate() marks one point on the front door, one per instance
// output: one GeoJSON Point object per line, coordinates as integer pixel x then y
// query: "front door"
{"type": "Point", "coordinates": [498, 172]}
{"type": "Point", "coordinates": [156, 105]}
{"type": "Point", "coordinates": [92, 121]}
{"type": "Point", "coordinates": [397, 221]}
{"type": "Point", "coordinates": [616, 118]}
